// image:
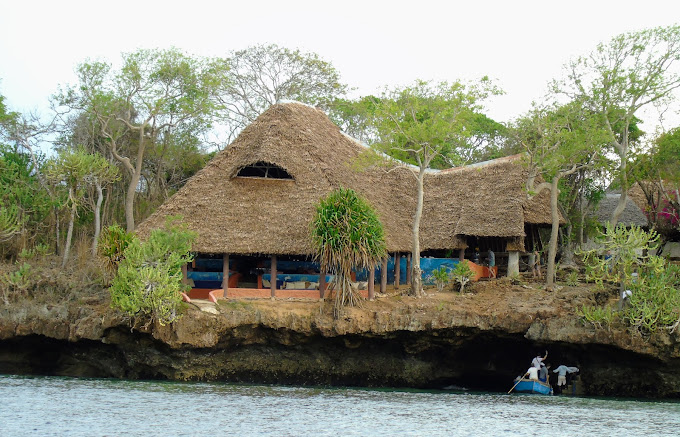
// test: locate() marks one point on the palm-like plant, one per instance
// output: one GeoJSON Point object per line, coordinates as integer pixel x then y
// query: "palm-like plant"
{"type": "Point", "coordinates": [347, 234]}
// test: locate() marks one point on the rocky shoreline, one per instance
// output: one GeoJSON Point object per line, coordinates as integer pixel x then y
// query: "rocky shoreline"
{"type": "Point", "coordinates": [479, 341]}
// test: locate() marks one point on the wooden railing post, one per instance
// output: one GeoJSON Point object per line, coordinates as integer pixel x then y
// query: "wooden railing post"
{"type": "Point", "coordinates": [225, 273]}
{"type": "Point", "coordinates": [383, 277]}
{"type": "Point", "coordinates": [273, 278]}
{"type": "Point", "coordinates": [322, 283]}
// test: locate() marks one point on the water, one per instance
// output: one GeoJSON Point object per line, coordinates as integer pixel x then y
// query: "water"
{"type": "Point", "coordinates": [49, 406]}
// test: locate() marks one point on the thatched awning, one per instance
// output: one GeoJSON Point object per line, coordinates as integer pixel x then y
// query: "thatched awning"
{"type": "Point", "coordinates": [248, 215]}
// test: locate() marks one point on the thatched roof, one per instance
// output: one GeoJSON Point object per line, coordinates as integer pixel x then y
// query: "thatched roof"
{"type": "Point", "coordinates": [632, 214]}
{"type": "Point", "coordinates": [484, 200]}
{"type": "Point", "coordinates": [245, 215]}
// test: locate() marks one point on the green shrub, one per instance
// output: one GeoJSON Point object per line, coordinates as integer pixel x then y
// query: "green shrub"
{"type": "Point", "coordinates": [655, 299]}
{"type": "Point", "coordinates": [111, 248]}
{"type": "Point", "coordinates": [441, 277]}
{"type": "Point", "coordinates": [572, 279]}
{"type": "Point", "coordinates": [16, 283]}
{"type": "Point", "coordinates": [599, 317]}
{"type": "Point", "coordinates": [462, 274]}
{"type": "Point", "coordinates": [149, 278]}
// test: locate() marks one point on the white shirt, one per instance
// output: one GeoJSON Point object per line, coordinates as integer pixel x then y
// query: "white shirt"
{"type": "Point", "coordinates": [533, 373]}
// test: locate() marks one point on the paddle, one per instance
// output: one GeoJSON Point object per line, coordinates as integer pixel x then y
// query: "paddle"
{"type": "Point", "coordinates": [520, 380]}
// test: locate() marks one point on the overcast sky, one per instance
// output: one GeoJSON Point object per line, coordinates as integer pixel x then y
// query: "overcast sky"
{"type": "Point", "coordinates": [521, 44]}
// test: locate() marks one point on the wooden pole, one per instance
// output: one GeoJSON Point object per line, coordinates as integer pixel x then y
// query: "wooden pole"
{"type": "Point", "coordinates": [322, 283]}
{"type": "Point", "coordinates": [520, 380]}
{"type": "Point", "coordinates": [371, 284]}
{"type": "Point", "coordinates": [408, 268]}
{"type": "Point", "coordinates": [461, 254]}
{"type": "Point", "coordinates": [383, 277]}
{"type": "Point", "coordinates": [273, 277]}
{"type": "Point", "coordinates": [225, 273]}
{"type": "Point", "coordinates": [185, 279]}
{"type": "Point", "coordinates": [397, 269]}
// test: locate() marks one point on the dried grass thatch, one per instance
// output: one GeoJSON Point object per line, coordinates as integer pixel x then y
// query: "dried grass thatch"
{"type": "Point", "coordinates": [240, 215]}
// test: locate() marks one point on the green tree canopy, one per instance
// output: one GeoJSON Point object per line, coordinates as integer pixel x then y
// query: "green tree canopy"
{"type": "Point", "coordinates": [428, 123]}
{"type": "Point", "coordinates": [632, 71]}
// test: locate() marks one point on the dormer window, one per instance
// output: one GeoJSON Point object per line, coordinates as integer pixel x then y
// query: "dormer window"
{"type": "Point", "coordinates": [263, 170]}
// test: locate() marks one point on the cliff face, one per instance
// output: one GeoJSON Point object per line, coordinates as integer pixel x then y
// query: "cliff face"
{"type": "Point", "coordinates": [478, 341]}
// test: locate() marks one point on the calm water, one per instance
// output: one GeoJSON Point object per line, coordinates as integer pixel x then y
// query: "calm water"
{"type": "Point", "coordinates": [44, 406]}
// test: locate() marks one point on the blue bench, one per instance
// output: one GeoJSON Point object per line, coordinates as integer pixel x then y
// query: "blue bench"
{"type": "Point", "coordinates": [281, 278]}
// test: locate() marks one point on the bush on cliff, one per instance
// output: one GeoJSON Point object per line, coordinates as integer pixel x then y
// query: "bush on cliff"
{"type": "Point", "coordinates": [649, 287]}
{"type": "Point", "coordinates": [149, 278]}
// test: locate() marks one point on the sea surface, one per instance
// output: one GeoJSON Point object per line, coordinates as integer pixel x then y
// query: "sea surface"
{"type": "Point", "coordinates": [53, 406]}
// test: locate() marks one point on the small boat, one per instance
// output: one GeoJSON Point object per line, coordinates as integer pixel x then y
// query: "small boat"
{"type": "Point", "coordinates": [532, 386]}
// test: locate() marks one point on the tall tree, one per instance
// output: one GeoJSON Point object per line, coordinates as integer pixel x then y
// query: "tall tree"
{"type": "Point", "coordinates": [559, 141]}
{"type": "Point", "coordinates": [154, 93]}
{"type": "Point", "coordinates": [263, 75]}
{"type": "Point", "coordinates": [424, 122]}
{"type": "Point", "coordinates": [618, 79]}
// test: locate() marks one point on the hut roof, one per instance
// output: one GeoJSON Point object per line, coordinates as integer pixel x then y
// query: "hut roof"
{"type": "Point", "coordinates": [632, 214]}
{"type": "Point", "coordinates": [248, 215]}
{"type": "Point", "coordinates": [256, 215]}
{"type": "Point", "coordinates": [486, 200]}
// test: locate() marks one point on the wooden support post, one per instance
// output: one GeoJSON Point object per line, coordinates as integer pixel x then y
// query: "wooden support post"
{"type": "Point", "coordinates": [397, 269]}
{"type": "Point", "coordinates": [322, 283]}
{"type": "Point", "coordinates": [383, 277]}
{"type": "Point", "coordinates": [371, 284]}
{"type": "Point", "coordinates": [185, 279]}
{"type": "Point", "coordinates": [273, 277]}
{"type": "Point", "coordinates": [408, 268]}
{"type": "Point", "coordinates": [225, 273]}
{"type": "Point", "coordinates": [461, 254]}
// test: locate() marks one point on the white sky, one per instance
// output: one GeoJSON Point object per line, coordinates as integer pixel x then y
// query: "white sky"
{"type": "Point", "coordinates": [522, 44]}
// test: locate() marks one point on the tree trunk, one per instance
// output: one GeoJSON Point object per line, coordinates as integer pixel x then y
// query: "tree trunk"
{"type": "Point", "coordinates": [130, 203]}
{"type": "Point", "coordinates": [69, 234]}
{"type": "Point", "coordinates": [416, 272]}
{"type": "Point", "coordinates": [97, 217]}
{"type": "Point", "coordinates": [624, 191]}
{"type": "Point", "coordinates": [552, 245]}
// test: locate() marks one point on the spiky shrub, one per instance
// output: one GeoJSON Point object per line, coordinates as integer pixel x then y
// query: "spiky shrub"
{"type": "Point", "coordinates": [655, 299]}
{"type": "Point", "coordinates": [149, 278]}
{"type": "Point", "coordinates": [346, 235]}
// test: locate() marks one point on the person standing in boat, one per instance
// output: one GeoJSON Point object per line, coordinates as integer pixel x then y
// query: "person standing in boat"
{"type": "Point", "coordinates": [543, 374]}
{"type": "Point", "coordinates": [536, 362]}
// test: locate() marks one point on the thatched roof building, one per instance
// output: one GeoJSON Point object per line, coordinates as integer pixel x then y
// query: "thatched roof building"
{"type": "Point", "coordinates": [258, 195]}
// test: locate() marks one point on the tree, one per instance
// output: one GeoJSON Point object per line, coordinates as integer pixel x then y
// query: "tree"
{"type": "Point", "coordinates": [618, 79]}
{"type": "Point", "coordinates": [154, 93]}
{"type": "Point", "coordinates": [559, 142]}
{"type": "Point", "coordinates": [101, 174]}
{"type": "Point", "coordinates": [347, 235]}
{"type": "Point", "coordinates": [658, 175]}
{"type": "Point", "coordinates": [424, 122]}
{"type": "Point", "coordinates": [263, 75]}
{"type": "Point", "coordinates": [75, 169]}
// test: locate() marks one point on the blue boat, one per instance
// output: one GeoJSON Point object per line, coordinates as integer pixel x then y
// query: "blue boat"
{"type": "Point", "coordinates": [532, 386]}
